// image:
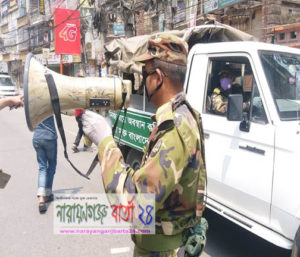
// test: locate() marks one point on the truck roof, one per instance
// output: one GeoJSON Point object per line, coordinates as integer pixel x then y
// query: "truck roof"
{"type": "Point", "coordinates": [120, 53]}
{"type": "Point", "coordinates": [242, 46]}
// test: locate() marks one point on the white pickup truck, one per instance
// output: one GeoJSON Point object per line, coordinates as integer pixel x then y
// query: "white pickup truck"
{"type": "Point", "coordinates": [252, 157]}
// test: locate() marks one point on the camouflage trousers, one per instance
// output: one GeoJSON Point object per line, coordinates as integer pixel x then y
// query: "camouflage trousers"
{"type": "Point", "coordinates": [139, 252]}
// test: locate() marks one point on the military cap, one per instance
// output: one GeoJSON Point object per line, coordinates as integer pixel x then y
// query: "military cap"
{"type": "Point", "coordinates": [166, 47]}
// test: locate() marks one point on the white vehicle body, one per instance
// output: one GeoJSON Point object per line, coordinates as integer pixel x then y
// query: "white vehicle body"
{"type": "Point", "coordinates": [7, 87]}
{"type": "Point", "coordinates": [253, 176]}
{"type": "Point", "coordinates": [252, 165]}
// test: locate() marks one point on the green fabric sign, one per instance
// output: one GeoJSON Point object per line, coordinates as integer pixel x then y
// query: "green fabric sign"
{"type": "Point", "coordinates": [136, 129]}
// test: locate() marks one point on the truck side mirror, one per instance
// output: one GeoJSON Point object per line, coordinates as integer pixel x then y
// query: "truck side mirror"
{"type": "Point", "coordinates": [235, 107]}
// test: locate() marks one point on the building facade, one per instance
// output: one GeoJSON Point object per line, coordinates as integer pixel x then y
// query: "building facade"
{"type": "Point", "coordinates": [135, 17]}
{"type": "Point", "coordinates": [288, 35]}
{"type": "Point", "coordinates": [27, 26]}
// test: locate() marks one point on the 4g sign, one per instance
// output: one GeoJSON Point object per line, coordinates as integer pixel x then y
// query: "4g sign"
{"type": "Point", "coordinates": [67, 31]}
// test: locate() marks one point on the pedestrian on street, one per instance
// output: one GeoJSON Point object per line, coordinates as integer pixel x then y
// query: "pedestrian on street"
{"type": "Point", "coordinates": [45, 144]}
{"type": "Point", "coordinates": [78, 117]}
{"type": "Point", "coordinates": [173, 166]}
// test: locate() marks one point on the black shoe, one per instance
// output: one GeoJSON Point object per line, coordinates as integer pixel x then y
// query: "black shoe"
{"type": "Point", "coordinates": [42, 207]}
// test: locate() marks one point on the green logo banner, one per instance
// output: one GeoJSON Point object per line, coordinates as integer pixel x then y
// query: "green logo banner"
{"type": "Point", "coordinates": [136, 129]}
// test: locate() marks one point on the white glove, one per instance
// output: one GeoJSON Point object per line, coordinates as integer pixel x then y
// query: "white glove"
{"type": "Point", "coordinates": [96, 127]}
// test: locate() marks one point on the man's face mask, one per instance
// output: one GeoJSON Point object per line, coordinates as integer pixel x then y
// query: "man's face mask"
{"type": "Point", "coordinates": [226, 83]}
{"type": "Point", "coordinates": [145, 75]}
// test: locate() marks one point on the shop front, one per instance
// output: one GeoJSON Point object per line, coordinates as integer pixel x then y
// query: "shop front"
{"type": "Point", "coordinates": [70, 63]}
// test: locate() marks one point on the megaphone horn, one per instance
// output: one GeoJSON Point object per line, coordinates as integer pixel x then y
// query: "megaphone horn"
{"type": "Point", "coordinates": [90, 92]}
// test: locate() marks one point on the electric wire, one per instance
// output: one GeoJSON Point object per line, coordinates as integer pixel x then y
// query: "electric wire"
{"type": "Point", "coordinates": [83, 17]}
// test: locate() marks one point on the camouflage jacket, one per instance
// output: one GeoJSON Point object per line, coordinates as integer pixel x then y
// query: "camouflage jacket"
{"type": "Point", "coordinates": [219, 101]}
{"type": "Point", "coordinates": [172, 166]}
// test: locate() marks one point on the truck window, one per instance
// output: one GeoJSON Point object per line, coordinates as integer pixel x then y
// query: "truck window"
{"type": "Point", "coordinates": [226, 76]}
{"type": "Point", "coordinates": [282, 72]}
{"type": "Point", "coordinates": [233, 75]}
{"type": "Point", "coordinates": [257, 109]}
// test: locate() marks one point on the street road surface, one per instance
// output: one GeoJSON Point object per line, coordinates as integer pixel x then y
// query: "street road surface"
{"type": "Point", "coordinates": [25, 232]}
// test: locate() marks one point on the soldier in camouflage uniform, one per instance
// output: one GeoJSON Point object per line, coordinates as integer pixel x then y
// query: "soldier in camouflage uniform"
{"type": "Point", "coordinates": [219, 97]}
{"type": "Point", "coordinates": [173, 165]}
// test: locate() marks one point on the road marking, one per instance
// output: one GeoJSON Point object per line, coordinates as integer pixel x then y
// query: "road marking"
{"type": "Point", "coordinates": [119, 250]}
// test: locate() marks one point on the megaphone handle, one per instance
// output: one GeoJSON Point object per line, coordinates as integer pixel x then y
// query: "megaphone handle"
{"type": "Point", "coordinates": [78, 171]}
{"type": "Point", "coordinates": [56, 109]}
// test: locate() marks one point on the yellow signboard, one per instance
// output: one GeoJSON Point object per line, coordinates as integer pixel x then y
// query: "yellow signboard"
{"type": "Point", "coordinates": [42, 6]}
{"type": "Point", "coordinates": [76, 58]}
{"type": "Point", "coordinates": [13, 5]}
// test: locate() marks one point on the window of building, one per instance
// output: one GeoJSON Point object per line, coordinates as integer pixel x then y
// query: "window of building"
{"type": "Point", "coordinates": [22, 7]}
{"type": "Point", "coordinates": [34, 5]}
{"type": "Point", "coordinates": [281, 37]}
{"type": "Point", "coordinates": [293, 35]}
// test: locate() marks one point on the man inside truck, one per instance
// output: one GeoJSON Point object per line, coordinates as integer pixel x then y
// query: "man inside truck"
{"type": "Point", "coordinates": [219, 96]}
{"type": "Point", "coordinates": [173, 166]}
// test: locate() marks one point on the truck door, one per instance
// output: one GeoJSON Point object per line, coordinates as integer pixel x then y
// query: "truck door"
{"type": "Point", "coordinates": [239, 163]}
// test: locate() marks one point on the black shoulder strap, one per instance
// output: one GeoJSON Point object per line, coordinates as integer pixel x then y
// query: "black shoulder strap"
{"type": "Point", "coordinates": [56, 109]}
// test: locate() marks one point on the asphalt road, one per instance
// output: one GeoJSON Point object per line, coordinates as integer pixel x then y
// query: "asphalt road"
{"type": "Point", "coordinates": [24, 232]}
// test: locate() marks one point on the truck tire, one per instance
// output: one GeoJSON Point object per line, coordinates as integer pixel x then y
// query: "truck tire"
{"type": "Point", "coordinates": [134, 159]}
{"type": "Point", "coordinates": [296, 245]}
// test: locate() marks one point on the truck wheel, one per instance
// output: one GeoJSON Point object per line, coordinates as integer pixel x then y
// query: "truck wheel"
{"type": "Point", "coordinates": [296, 245]}
{"type": "Point", "coordinates": [134, 159]}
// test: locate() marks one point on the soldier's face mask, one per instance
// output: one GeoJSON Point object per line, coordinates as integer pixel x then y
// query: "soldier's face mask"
{"type": "Point", "coordinates": [226, 83]}
{"type": "Point", "coordinates": [145, 75]}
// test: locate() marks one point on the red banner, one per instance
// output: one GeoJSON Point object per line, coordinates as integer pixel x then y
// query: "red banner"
{"type": "Point", "coordinates": [67, 31]}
